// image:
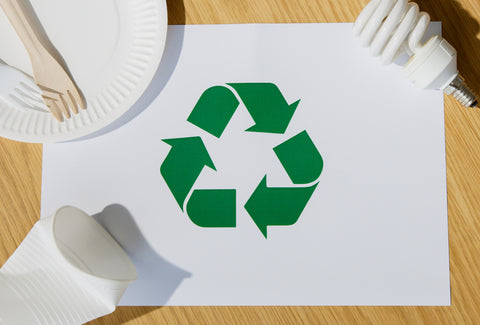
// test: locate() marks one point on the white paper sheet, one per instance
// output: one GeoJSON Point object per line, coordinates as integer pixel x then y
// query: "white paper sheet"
{"type": "Point", "coordinates": [374, 231]}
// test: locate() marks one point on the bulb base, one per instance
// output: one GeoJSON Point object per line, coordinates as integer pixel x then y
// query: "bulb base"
{"type": "Point", "coordinates": [460, 90]}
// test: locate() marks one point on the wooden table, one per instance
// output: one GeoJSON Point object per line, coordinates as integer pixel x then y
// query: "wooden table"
{"type": "Point", "coordinates": [21, 164]}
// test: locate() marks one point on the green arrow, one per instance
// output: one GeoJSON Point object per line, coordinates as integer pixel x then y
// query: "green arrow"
{"type": "Point", "coordinates": [266, 105]}
{"type": "Point", "coordinates": [300, 158]}
{"type": "Point", "coordinates": [277, 206]}
{"type": "Point", "coordinates": [214, 110]}
{"type": "Point", "coordinates": [212, 208]}
{"type": "Point", "coordinates": [183, 165]}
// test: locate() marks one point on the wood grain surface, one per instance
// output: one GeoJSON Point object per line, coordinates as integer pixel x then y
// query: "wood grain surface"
{"type": "Point", "coordinates": [21, 164]}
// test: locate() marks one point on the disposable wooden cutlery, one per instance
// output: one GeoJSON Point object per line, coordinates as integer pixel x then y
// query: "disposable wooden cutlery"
{"type": "Point", "coordinates": [60, 93]}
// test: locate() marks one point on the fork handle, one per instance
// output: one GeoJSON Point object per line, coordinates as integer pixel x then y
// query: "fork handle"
{"type": "Point", "coordinates": [21, 16]}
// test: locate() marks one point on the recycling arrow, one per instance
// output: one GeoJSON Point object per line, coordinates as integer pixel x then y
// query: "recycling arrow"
{"type": "Point", "coordinates": [277, 206]}
{"type": "Point", "coordinates": [267, 206]}
{"type": "Point", "coordinates": [300, 158]}
{"type": "Point", "coordinates": [183, 165]}
{"type": "Point", "coordinates": [264, 102]}
{"type": "Point", "coordinates": [214, 110]}
{"type": "Point", "coordinates": [266, 105]}
{"type": "Point", "coordinates": [212, 208]}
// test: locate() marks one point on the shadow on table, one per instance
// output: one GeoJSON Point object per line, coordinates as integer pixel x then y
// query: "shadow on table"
{"type": "Point", "coordinates": [160, 277]}
{"type": "Point", "coordinates": [460, 29]}
{"type": "Point", "coordinates": [173, 48]}
{"type": "Point", "coordinates": [157, 278]}
{"type": "Point", "coordinates": [123, 315]}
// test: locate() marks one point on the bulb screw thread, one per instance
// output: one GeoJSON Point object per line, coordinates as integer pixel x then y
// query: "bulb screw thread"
{"type": "Point", "coordinates": [460, 90]}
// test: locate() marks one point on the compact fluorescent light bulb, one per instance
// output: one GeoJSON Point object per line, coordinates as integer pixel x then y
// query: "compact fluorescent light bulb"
{"type": "Point", "coordinates": [392, 28]}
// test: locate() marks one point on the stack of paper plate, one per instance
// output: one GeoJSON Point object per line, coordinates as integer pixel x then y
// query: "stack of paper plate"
{"type": "Point", "coordinates": [112, 48]}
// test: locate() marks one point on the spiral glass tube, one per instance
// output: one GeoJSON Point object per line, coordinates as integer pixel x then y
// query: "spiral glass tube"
{"type": "Point", "coordinates": [392, 28]}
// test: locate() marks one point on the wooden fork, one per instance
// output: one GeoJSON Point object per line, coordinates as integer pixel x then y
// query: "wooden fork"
{"type": "Point", "coordinates": [60, 93]}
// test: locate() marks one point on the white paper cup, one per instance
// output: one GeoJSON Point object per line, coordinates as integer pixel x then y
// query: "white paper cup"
{"type": "Point", "coordinates": [68, 270]}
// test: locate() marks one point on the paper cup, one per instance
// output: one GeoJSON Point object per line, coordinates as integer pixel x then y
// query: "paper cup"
{"type": "Point", "coordinates": [68, 270]}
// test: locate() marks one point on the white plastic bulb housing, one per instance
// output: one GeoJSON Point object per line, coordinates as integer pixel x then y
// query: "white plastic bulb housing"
{"type": "Point", "coordinates": [392, 28]}
{"type": "Point", "coordinates": [434, 66]}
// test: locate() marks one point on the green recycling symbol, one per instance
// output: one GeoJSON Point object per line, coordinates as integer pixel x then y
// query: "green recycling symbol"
{"type": "Point", "coordinates": [267, 206]}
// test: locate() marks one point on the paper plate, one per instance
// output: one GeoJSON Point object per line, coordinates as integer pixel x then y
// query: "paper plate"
{"type": "Point", "coordinates": [112, 48]}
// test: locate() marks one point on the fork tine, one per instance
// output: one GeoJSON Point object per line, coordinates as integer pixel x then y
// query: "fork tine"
{"type": "Point", "coordinates": [63, 106]}
{"type": "Point", "coordinates": [24, 100]}
{"type": "Point", "coordinates": [53, 108]}
{"type": "Point", "coordinates": [57, 101]}
{"type": "Point", "coordinates": [71, 102]}
{"type": "Point", "coordinates": [32, 87]}
{"type": "Point", "coordinates": [25, 93]}
{"type": "Point", "coordinates": [77, 97]}
{"type": "Point", "coordinates": [20, 101]}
